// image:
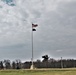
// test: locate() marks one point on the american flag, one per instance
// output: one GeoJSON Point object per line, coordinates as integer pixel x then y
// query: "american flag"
{"type": "Point", "coordinates": [34, 25]}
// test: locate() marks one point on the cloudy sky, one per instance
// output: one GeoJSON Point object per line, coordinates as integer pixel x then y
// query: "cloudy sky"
{"type": "Point", "coordinates": [55, 34]}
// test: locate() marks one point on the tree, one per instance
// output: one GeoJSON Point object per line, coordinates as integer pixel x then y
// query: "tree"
{"type": "Point", "coordinates": [7, 64]}
{"type": "Point", "coordinates": [18, 64]}
{"type": "Point", "coordinates": [45, 58]}
{"type": "Point", "coordinates": [45, 61]}
{"type": "Point", "coordinates": [13, 65]}
{"type": "Point", "coordinates": [1, 65]}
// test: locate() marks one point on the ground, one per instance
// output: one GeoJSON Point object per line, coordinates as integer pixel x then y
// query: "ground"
{"type": "Point", "coordinates": [70, 71]}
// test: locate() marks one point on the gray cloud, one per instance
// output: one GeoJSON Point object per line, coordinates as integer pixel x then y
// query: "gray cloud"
{"type": "Point", "coordinates": [58, 31]}
{"type": "Point", "coordinates": [55, 34]}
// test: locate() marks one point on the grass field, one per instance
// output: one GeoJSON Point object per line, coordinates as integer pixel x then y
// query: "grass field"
{"type": "Point", "coordinates": [39, 72]}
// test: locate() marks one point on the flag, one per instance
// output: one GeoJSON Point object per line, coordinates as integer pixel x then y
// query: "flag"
{"type": "Point", "coordinates": [34, 25]}
{"type": "Point", "coordinates": [33, 29]}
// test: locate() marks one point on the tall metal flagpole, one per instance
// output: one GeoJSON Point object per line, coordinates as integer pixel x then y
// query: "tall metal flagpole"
{"type": "Point", "coordinates": [32, 66]}
{"type": "Point", "coordinates": [33, 25]}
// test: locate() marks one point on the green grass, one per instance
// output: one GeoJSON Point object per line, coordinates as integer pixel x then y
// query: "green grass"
{"type": "Point", "coordinates": [39, 72]}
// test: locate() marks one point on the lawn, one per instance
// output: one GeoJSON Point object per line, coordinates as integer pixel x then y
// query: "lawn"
{"type": "Point", "coordinates": [39, 72]}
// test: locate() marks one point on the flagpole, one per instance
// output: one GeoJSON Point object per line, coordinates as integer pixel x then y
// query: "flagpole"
{"type": "Point", "coordinates": [32, 66]}
{"type": "Point", "coordinates": [32, 48]}
{"type": "Point", "coordinates": [33, 29]}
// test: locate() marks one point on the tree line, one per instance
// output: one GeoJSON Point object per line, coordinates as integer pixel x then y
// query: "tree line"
{"type": "Point", "coordinates": [45, 63]}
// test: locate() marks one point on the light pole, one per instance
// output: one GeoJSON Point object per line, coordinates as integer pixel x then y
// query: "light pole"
{"type": "Point", "coordinates": [61, 63]}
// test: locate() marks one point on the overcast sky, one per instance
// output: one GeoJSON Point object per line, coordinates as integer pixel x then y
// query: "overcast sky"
{"type": "Point", "coordinates": [55, 34]}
